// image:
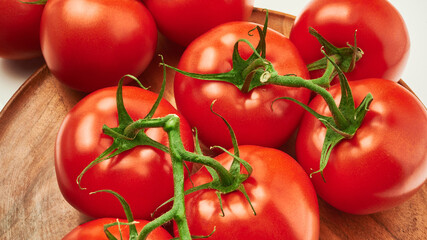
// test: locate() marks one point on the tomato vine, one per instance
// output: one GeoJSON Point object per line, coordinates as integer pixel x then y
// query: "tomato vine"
{"type": "Point", "coordinates": [129, 134]}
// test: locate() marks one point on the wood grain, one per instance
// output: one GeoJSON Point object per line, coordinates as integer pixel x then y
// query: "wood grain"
{"type": "Point", "coordinates": [32, 207]}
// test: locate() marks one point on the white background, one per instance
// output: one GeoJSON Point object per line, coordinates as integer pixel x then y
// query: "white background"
{"type": "Point", "coordinates": [14, 73]}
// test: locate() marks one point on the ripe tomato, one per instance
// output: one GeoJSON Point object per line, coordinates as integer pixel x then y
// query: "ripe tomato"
{"type": "Point", "coordinates": [385, 55]}
{"type": "Point", "coordinates": [90, 44]}
{"type": "Point", "coordinates": [250, 114]}
{"type": "Point", "coordinates": [281, 193]}
{"type": "Point", "coordinates": [142, 175]}
{"type": "Point", "coordinates": [94, 230]}
{"type": "Point", "coordinates": [19, 29]}
{"type": "Point", "coordinates": [183, 20]}
{"type": "Point", "coordinates": [385, 162]}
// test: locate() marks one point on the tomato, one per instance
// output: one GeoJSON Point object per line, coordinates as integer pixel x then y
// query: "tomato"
{"type": "Point", "coordinates": [94, 230]}
{"type": "Point", "coordinates": [91, 44]}
{"type": "Point", "coordinates": [385, 55]}
{"type": "Point", "coordinates": [281, 193]}
{"type": "Point", "coordinates": [142, 175]}
{"type": "Point", "coordinates": [19, 29]}
{"type": "Point", "coordinates": [384, 164]}
{"type": "Point", "coordinates": [250, 114]}
{"type": "Point", "coordinates": [183, 20]}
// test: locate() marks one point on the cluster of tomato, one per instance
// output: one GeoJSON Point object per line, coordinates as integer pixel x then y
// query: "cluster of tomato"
{"type": "Point", "coordinates": [90, 44]}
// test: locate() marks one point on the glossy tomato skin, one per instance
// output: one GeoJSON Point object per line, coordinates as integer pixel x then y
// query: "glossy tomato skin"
{"type": "Point", "coordinates": [250, 114]}
{"type": "Point", "coordinates": [182, 21]}
{"type": "Point", "coordinates": [142, 175]}
{"type": "Point", "coordinates": [281, 193]}
{"type": "Point", "coordinates": [91, 44]}
{"type": "Point", "coordinates": [384, 164]}
{"type": "Point", "coordinates": [381, 34]}
{"type": "Point", "coordinates": [19, 29]}
{"type": "Point", "coordinates": [94, 230]}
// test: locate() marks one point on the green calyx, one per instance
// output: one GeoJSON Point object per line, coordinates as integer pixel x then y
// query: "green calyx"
{"type": "Point", "coordinates": [235, 170]}
{"type": "Point", "coordinates": [246, 74]}
{"type": "Point", "coordinates": [341, 128]}
{"type": "Point", "coordinates": [345, 57]}
{"type": "Point", "coordinates": [133, 233]}
{"type": "Point", "coordinates": [223, 182]}
{"type": "Point", "coordinates": [128, 134]}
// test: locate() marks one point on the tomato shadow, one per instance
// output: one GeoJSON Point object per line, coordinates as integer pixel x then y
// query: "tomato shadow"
{"type": "Point", "coordinates": [20, 69]}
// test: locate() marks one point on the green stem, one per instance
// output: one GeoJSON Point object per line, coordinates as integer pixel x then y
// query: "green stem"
{"type": "Point", "coordinates": [329, 74]}
{"type": "Point", "coordinates": [179, 196]}
{"type": "Point", "coordinates": [248, 73]}
{"type": "Point", "coordinates": [178, 151]}
{"type": "Point", "coordinates": [225, 177]}
{"type": "Point", "coordinates": [132, 129]}
{"type": "Point", "coordinates": [177, 212]}
{"type": "Point", "coordinates": [156, 223]}
{"type": "Point", "coordinates": [175, 142]}
{"type": "Point", "coordinates": [294, 81]}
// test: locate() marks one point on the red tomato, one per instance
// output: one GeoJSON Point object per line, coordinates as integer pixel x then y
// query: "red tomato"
{"type": "Point", "coordinates": [384, 164]}
{"type": "Point", "coordinates": [19, 29]}
{"type": "Point", "coordinates": [90, 44]}
{"type": "Point", "coordinates": [94, 230]}
{"type": "Point", "coordinates": [250, 114]}
{"type": "Point", "coordinates": [281, 193]}
{"type": "Point", "coordinates": [183, 20]}
{"type": "Point", "coordinates": [142, 175]}
{"type": "Point", "coordinates": [381, 34]}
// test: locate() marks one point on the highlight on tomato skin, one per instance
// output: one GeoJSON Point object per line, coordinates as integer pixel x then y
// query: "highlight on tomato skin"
{"type": "Point", "coordinates": [182, 21]}
{"type": "Point", "coordinates": [380, 30]}
{"type": "Point", "coordinates": [94, 230]}
{"type": "Point", "coordinates": [280, 191]}
{"type": "Point", "coordinates": [384, 164]}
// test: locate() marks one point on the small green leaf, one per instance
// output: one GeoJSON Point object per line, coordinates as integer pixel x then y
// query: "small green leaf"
{"type": "Point", "coordinates": [239, 160]}
{"type": "Point", "coordinates": [218, 194]}
{"type": "Point", "coordinates": [230, 129]}
{"type": "Point", "coordinates": [40, 2]}
{"type": "Point", "coordinates": [243, 191]}
{"type": "Point", "coordinates": [133, 233]}
{"type": "Point", "coordinates": [331, 140]}
{"type": "Point", "coordinates": [124, 118]}
{"type": "Point", "coordinates": [105, 155]}
{"type": "Point", "coordinates": [224, 77]}
{"type": "Point", "coordinates": [206, 186]}
{"type": "Point", "coordinates": [161, 92]}
{"type": "Point", "coordinates": [197, 148]}
{"type": "Point", "coordinates": [198, 237]}
{"type": "Point", "coordinates": [345, 57]}
{"type": "Point", "coordinates": [347, 102]}
{"type": "Point", "coordinates": [118, 224]}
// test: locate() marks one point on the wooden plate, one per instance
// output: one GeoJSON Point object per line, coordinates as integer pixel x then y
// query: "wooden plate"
{"type": "Point", "coordinates": [32, 207]}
